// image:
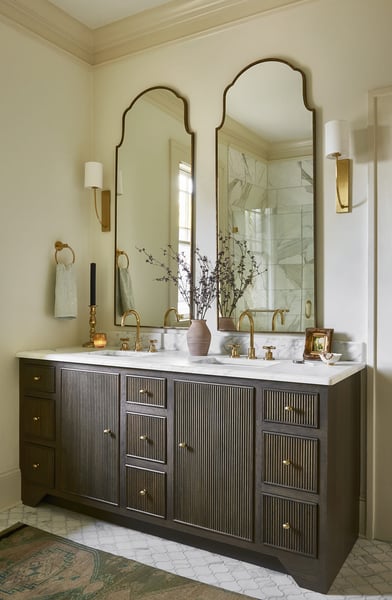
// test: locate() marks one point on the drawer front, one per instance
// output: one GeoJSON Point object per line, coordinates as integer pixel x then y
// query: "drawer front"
{"type": "Point", "coordinates": [294, 408]}
{"type": "Point", "coordinates": [38, 418]}
{"type": "Point", "coordinates": [146, 390]}
{"type": "Point", "coordinates": [37, 464]}
{"type": "Point", "coordinates": [291, 461]}
{"type": "Point", "coordinates": [146, 437]}
{"type": "Point", "coordinates": [38, 378]}
{"type": "Point", "coordinates": [290, 525]}
{"type": "Point", "coordinates": [146, 491]}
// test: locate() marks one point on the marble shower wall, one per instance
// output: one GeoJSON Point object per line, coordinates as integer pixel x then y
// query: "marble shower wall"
{"type": "Point", "coordinates": [270, 204]}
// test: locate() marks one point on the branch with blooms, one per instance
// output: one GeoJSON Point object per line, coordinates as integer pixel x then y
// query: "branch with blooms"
{"type": "Point", "coordinates": [199, 291]}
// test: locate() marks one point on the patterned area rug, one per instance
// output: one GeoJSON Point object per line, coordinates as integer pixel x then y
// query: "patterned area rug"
{"type": "Point", "coordinates": [38, 565]}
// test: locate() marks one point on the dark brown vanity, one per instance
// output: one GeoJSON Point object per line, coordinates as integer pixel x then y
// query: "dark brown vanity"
{"type": "Point", "coordinates": [265, 471]}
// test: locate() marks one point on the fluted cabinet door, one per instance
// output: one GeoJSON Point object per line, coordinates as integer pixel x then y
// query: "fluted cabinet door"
{"type": "Point", "coordinates": [213, 471]}
{"type": "Point", "coordinates": [89, 424]}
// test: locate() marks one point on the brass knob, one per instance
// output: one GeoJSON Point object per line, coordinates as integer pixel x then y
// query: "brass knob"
{"type": "Point", "coordinates": [143, 391]}
{"type": "Point", "coordinates": [182, 445]}
{"type": "Point", "coordinates": [35, 465]}
{"type": "Point", "coordinates": [35, 419]}
{"type": "Point", "coordinates": [36, 378]}
{"type": "Point", "coordinates": [286, 526]}
{"type": "Point", "coordinates": [143, 437]}
{"type": "Point", "coordinates": [107, 431]}
{"type": "Point", "coordinates": [286, 462]}
{"type": "Point", "coordinates": [288, 408]}
{"type": "Point", "coordinates": [143, 492]}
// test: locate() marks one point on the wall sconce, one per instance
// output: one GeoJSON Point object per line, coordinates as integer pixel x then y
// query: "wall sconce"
{"type": "Point", "coordinates": [336, 147]}
{"type": "Point", "coordinates": [93, 179]}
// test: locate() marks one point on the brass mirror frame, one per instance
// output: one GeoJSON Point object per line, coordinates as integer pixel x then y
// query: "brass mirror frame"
{"type": "Point", "coordinates": [313, 117]}
{"type": "Point", "coordinates": [193, 212]}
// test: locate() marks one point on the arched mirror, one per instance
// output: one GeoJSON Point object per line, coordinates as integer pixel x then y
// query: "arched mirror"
{"type": "Point", "coordinates": [265, 199]}
{"type": "Point", "coordinates": [154, 204]}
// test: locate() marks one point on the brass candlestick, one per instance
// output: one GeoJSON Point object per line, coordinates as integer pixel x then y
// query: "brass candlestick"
{"type": "Point", "coordinates": [92, 322]}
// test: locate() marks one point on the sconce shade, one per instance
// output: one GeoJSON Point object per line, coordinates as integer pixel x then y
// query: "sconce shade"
{"type": "Point", "coordinates": [336, 139]}
{"type": "Point", "coordinates": [93, 175]}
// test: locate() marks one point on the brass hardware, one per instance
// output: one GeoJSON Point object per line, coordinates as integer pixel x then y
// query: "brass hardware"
{"type": "Point", "coordinates": [277, 312]}
{"type": "Point", "coordinates": [131, 311]}
{"type": "Point", "coordinates": [92, 323]}
{"type": "Point", "coordinates": [251, 349]}
{"type": "Point", "coordinates": [288, 408]}
{"type": "Point", "coordinates": [36, 419]}
{"type": "Point", "coordinates": [143, 492]}
{"type": "Point", "coordinates": [286, 462]}
{"type": "Point", "coordinates": [104, 219]}
{"type": "Point", "coordinates": [107, 431]}
{"type": "Point", "coordinates": [286, 526]}
{"type": "Point", "coordinates": [124, 343]}
{"type": "Point", "coordinates": [121, 253]}
{"type": "Point", "coordinates": [152, 347]}
{"type": "Point", "coordinates": [60, 246]}
{"type": "Point", "coordinates": [35, 465]}
{"type": "Point", "coordinates": [36, 378]}
{"type": "Point", "coordinates": [308, 309]}
{"type": "Point", "coordinates": [234, 350]}
{"type": "Point", "coordinates": [167, 314]}
{"type": "Point", "coordinates": [342, 185]}
{"type": "Point", "coordinates": [144, 438]}
{"type": "Point", "coordinates": [268, 352]}
{"type": "Point", "coordinates": [142, 391]}
{"type": "Point", "coordinates": [182, 445]}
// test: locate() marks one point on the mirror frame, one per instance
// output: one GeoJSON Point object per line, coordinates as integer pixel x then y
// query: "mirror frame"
{"type": "Point", "coordinates": [193, 212]}
{"type": "Point", "coordinates": [217, 130]}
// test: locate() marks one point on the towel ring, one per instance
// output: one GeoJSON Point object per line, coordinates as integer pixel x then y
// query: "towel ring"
{"type": "Point", "coordinates": [60, 246]}
{"type": "Point", "coordinates": [122, 253]}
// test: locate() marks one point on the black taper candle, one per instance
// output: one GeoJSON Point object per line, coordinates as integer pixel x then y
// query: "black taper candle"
{"type": "Point", "coordinates": [92, 284]}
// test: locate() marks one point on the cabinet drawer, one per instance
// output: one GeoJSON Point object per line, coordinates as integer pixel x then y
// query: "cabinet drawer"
{"type": "Point", "coordinates": [146, 491]}
{"type": "Point", "coordinates": [294, 408]}
{"type": "Point", "coordinates": [38, 378]}
{"type": "Point", "coordinates": [291, 461]}
{"type": "Point", "coordinates": [146, 437]}
{"type": "Point", "coordinates": [38, 418]}
{"type": "Point", "coordinates": [37, 464]}
{"type": "Point", "coordinates": [290, 525]}
{"type": "Point", "coordinates": [146, 390]}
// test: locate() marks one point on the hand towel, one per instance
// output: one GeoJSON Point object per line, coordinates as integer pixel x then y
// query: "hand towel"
{"type": "Point", "coordinates": [65, 295]}
{"type": "Point", "coordinates": [127, 300]}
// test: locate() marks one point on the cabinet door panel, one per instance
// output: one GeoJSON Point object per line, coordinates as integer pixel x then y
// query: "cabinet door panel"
{"type": "Point", "coordinates": [213, 485]}
{"type": "Point", "coordinates": [90, 434]}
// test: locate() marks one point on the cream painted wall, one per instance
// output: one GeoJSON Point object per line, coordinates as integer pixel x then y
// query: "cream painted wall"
{"type": "Point", "coordinates": [45, 128]}
{"type": "Point", "coordinates": [343, 47]}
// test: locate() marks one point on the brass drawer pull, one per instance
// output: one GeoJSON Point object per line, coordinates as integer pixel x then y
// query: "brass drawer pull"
{"type": "Point", "coordinates": [107, 431]}
{"type": "Point", "coordinates": [288, 408]}
{"type": "Point", "coordinates": [35, 466]}
{"type": "Point", "coordinates": [287, 462]}
{"type": "Point", "coordinates": [143, 492]}
{"type": "Point", "coordinates": [144, 438]}
{"type": "Point", "coordinates": [182, 445]}
{"type": "Point", "coordinates": [143, 391]}
{"type": "Point", "coordinates": [36, 419]}
{"type": "Point", "coordinates": [37, 378]}
{"type": "Point", "coordinates": [286, 526]}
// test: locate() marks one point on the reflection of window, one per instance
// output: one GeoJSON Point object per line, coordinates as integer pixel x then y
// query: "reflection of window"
{"type": "Point", "coordinates": [184, 221]}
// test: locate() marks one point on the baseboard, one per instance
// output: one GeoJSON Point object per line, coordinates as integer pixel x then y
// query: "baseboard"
{"type": "Point", "coordinates": [362, 517]}
{"type": "Point", "coordinates": [10, 490]}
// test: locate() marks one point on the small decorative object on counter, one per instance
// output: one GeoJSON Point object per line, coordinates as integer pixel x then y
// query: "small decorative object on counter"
{"type": "Point", "coordinates": [317, 341]}
{"type": "Point", "coordinates": [92, 322]}
{"type": "Point", "coordinates": [198, 338]}
{"type": "Point", "coordinates": [330, 358]}
{"type": "Point", "coordinates": [99, 340]}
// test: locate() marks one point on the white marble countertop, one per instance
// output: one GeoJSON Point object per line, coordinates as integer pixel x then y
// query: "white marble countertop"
{"type": "Point", "coordinates": [313, 372]}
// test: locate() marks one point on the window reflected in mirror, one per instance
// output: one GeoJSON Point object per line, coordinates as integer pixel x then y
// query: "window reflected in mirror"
{"type": "Point", "coordinates": [265, 195]}
{"type": "Point", "coordinates": [154, 204]}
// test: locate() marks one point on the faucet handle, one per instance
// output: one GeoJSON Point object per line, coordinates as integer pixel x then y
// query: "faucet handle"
{"type": "Point", "coordinates": [152, 347]}
{"type": "Point", "coordinates": [234, 350]}
{"type": "Point", "coordinates": [268, 352]}
{"type": "Point", "coordinates": [124, 343]}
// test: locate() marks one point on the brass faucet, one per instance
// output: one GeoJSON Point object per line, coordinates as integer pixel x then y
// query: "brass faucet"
{"type": "Point", "coordinates": [278, 311]}
{"type": "Point", "coordinates": [167, 313]}
{"type": "Point", "coordinates": [132, 311]}
{"type": "Point", "coordinates": [251, 349]}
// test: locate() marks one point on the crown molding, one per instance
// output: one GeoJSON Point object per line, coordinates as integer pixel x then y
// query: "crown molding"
{"type": "Point", "coordinates": [175, 20]}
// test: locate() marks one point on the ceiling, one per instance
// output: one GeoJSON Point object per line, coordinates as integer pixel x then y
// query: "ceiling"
{"type": "Point", "coordinates": [97, 13]}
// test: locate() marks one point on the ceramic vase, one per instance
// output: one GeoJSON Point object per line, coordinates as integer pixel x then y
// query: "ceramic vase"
{"type": "Point", "coordinates": [226, 324]}
{"type": "Point", "coordinates": [198, 338]}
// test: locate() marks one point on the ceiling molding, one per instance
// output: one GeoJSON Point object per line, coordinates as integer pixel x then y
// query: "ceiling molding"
{"type": "Point", "coordinates": [172, 21]}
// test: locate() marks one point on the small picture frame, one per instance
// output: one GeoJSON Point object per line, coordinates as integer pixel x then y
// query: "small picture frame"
{"type": "Point", "coordinates": [317, 341]}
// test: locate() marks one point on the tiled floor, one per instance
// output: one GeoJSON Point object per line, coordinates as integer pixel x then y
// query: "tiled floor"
{"type": "Point", "coordinates": [366, 574]}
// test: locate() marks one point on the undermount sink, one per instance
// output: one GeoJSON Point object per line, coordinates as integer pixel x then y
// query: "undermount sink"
{"type": "Point", "coordinates": [124, 353]}
{"type": "Point", "coordinates": [242, 361]}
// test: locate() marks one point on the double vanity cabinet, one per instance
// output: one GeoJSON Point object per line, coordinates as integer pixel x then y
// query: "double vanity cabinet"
{"type": "Point", "coordinates": [245, 463]}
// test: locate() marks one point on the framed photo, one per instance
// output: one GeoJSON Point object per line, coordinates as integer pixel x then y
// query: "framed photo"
{"type": "Point", "coordinates": [316, 342]}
